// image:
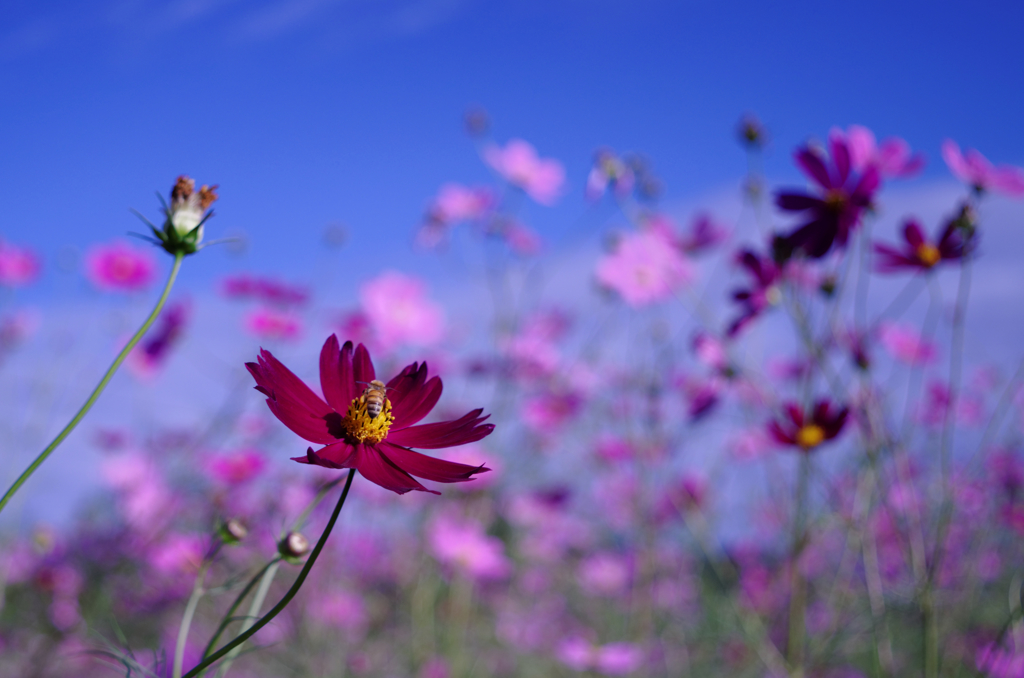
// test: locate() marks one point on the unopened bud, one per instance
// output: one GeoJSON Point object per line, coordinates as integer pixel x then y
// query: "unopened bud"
{"type": "Point", "coordinates": [828, 285]}
{"type": "Point", "coordinates": [184, 216]}
{"type": "Point", "coordinates": [751, 132]}
{"type": "Point", "coordinates": [233, 531]}
{"type": "Point", "coordinates": [293, 546]}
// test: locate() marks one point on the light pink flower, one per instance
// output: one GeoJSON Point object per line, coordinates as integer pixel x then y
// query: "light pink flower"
{"type": "Point", "coordinates": [645, 268]}
{"type": "Point", "coordinates": [974, 169]}
{"type": "Point", "coordinates": [400, 312]}
{"type": "Point", "coordinates": [998, 662]}
{"type": "Point", "coordinates": [177, 554]}
{"type": "Point", "coordinates": [273, 324]}
{"type": "Point", "coordinates": [145, 500]}
{"type": "Point", "coordinates": [906, 344]}
{"type": "Point", "coordinates": [614, 659]}
{"type": "Point", "coordinates": [119, 267]}
{"type": "Point", "coordinates": [455, 203]}
{"type": "Point", "coordinates": [19, 266]}
{"type": "Point", "coordinates": [464, 545]}
{"type": "Point", "coordinates": [604, 574]}
{"type": "Point", "coordinates": [522, 239]}
{"type": "Point", "coordinates": [892, 157]}
{"type": "Point", "coordinates": [238, 467]}
{"type": "Point", "coordinates": [547, 412]}
{"type": "Point", "coordinates": [341, 609]}
{"type": "Point", "coordinates": [518, 163]}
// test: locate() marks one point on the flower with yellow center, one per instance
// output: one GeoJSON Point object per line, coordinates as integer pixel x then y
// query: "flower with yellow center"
{"type": "Point", "coordinates": [360, 427]}
{"type": "Point", "coordinates": [928, 254]}
{"type": "Point", "coordinates": [810, 436]}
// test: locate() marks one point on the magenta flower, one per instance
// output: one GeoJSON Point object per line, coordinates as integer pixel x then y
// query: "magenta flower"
{"type": "Point", "coordinates": [238, 467]}
{"type": "Point", "coordinates": [841, 200]}
{"type": "Point", "coordinates": [273, 324]}
{"type": "Point", "coordinates": [974, 169]}
{"type": "Point", "coordinates": [763, 293]}
{"type": "Point", "coordinates": [267, 290]}
{"type": "Point", "coordinates": [918, 252]}
{"type": "Point", "coordinates": [400, 312]}
{"type": "Point", "coordinates": [147, 357]}
{"type": "Point", "coordinates": [892, 157]}
{"type": "Point", "coordinates": [808, 431]}
{"type": "Point", "coordinates": [518, 163]}
{"type": "Point", "coordinates": [19, 266]}
{"type": "Point", "coordinates": [613, 659]}
{"type": "Point", "coordinates": [464, 545]}
{"type": "Point", "coordinates": [645, 268]}
{"type": "Point", "coordinates": [119, 267]}
{"type": "Point", "coordinates": [906, 344]}
{"type": "Point", "coordinates": [455, 203]}
{"type": "Point", "coordinates": [379, 446]}
{"type": "Point", "coordinates": [704, 234]}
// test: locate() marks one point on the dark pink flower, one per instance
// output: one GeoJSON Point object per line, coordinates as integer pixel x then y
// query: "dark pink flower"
{"type": "Point", "coordinates": [464, 545]}
{"type": "Point", "coordinates": [119, 267]}
{"type": "Point", "coordinates": [763, 293]}
{"type": "Point", "coordinates": [842, 197]}
{"type": "Point", "coordinates": [906, 344]}
{"type": "Point", "coordinates": [518, 163]}
{"type": "Point", "coordinates": [146, 358]}
{"type": "Point", "coordinates": [238, 467]}
{"type": "Point", "coordinates": [918, 252]}
{"type": "Point", "coordinates": [808, 431]}
{"type": "Point", "coordinates": [379, 446]}
{"type": "Point", "coordinates": [19, 266]}
{"type": "Point", "coordinates": [974, 169]}
{"type": "Point", "coordinates": [704, 234]}
{"type": "Point", "coordinates": [273, 324]}
{"type": "Point", "coordinates": [267, 290]}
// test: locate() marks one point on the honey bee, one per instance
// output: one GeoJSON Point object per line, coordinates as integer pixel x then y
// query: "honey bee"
{"type": "Point", "coordinates": [374, 396]}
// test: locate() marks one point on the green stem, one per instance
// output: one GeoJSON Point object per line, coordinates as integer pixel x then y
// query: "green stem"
{"type": "Point", "coordinates": [266, 619]}
{"type": "Point", "coordinates": [228, 616]}
{"type": "Point", "coordinates": [186, 619]}
{"type": "Point", "coordinates": [254, 609]}
{"type": "Point", "coordinates": [798, 593]}
{"type": "Point", "coordinates": [99, 387]}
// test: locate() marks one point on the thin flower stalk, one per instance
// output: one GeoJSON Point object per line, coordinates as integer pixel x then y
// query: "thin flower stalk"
{"type": "Point", "coordinates": [94, 396]}
{"type": "Point", "coordinates": [269, 616]}
{"type": "Point", "coordinates": [254, 609]}
{"type": "Point", "coordinates": [198, 590]}
{"type": "Point", "coordinates": [228, 616]}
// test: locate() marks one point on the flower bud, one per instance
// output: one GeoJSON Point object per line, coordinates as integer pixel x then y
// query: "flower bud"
{"type": "Point", "coordinates": [232, 531]}
{"type": "Point", "coordinates": [184, 216]}
{"type": "Point", "coordinates": [293, 547]}
{"type": "Point", "coordinates": [751, 132]}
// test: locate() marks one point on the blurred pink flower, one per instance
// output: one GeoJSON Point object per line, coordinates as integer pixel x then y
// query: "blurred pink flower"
{"type": "Point", "coordinates": [547, 412]}
{"type": "Point", "coordinates": [19, 266]}
{"type": "Point", "coordinates": [704, 234]}
{"type": "Point", "coordinates": [522, 239]}
{"type": "Point", "coordinates": [145, 500]}
{"type": "Point", "coordinates": [711, 351]}
{"type": "Point", "coordinates": [906, 344]}
{"type": "Point", "coordinates": [614, 659]}
{"type": "Point", "coordinates": [436, 667]}
{"type": "Point", "coordinates": [892, 157]}
{"type": "Point", "coordinates": [609, 171]}
{"type": "Point", "coordinates": [645, 268]}
{"type": "Point", "coordinates": [237, 467]}
{"type": "Point", "coordinates": [341, 609]}
{"type": "Point", "coordinates": [272, 324]}
{"type": "Point", "coordinates": [998, 662]}
{"type": "Point", "coordinates": [518, 163]}
{"type": "Point", "coordinates": [119, 267]}
{"type": "Point", "coordinates": [464, 545]}
{"type": "Point", "coordinates": [455, 203]}
{"type": "Point", "coordinates": [472, 454]}
{"type": "Point", "coordinates": [533, 351]}
{"type": "Point", "coordinates": [177, 554]}
{"type": "Point", "coordinates": [400, 312]}
{"type": "Point", "coordinates": [974, 169]}
{"type": "Point", "coordinates": [604, 574]}
{"type": "Point", "coordinates": [150, 354]}
{"type": "Point", "coordinates": [613, 448]}
{"type": "Point", "coordinates": [267, 290]}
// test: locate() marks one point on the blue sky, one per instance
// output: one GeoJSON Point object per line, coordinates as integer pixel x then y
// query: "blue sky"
{"type": "Point", "coordinates": [309, 112]}
{"type": "Point", "coordinates": [313, 112]}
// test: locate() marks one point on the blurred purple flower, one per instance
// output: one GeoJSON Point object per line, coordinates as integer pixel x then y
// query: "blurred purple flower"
{"type": "Point", "coordinates": [463, 545]}
{"type": "Point", "coordinates": [119, 267]}
{"type": "Point", "coordinates": [807, 431]}
{"type": "Point", "coordinates": [907, 345]}
{"type": "Point", "coordinates": [892, 157]}
{"type": "Point", "coordinates": [238, 467]}
{"type": "Point", "coordinates": [400, 312]}
{"type": "Point", "coordinates": [271, 324]}
{"type": "Point", "coordinates": [918, 253]}
{"type": "Point", "coordinates": [704, 234]}
{"type": "Point", "coordinates": [266, 290]}
{"type": "Point", "coordinates": [763, 293]}
{"type": "Point", "coordinates": [645, 268]}
{"type": "Point", "coordinates": [19, 266]}
{"type": "Point", "coordinates": [150, 354]}
{"type": "Point", "coordinates": [609, 172]}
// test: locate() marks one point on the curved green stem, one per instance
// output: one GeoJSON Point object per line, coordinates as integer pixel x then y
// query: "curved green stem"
{"type": "Point", "coordinates": [99, 387]}
{"type": "Point", "coordinates": [266, 619]}
{"type": "Point", "coordinates": [254, 610]}
{"type": "Point", "coordinates": [186, 619]}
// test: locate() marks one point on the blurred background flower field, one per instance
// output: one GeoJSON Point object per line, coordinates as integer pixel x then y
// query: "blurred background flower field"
{"type": "Point", "coordinates": [738, 294]}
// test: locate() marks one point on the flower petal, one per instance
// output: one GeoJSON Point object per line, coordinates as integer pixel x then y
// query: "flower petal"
{"type": "Point", "coordinates": [422, 466]}
{"type": "Point", "coordinates": [444, 433]}
{"type": "Point", "coordinates": [405, 382]}
{"type": "Point", "coordinates": [336, 379]}
{"type": "Point", "coordinates": [301, 421]}
{"type": "Point", "coordinates": [813, 165]}
{"type": "Point", "coordinates": [797, 202]}
{"type": "Point", "coordinates": [418, 403]}
{"type": "Point", "coordinates": [362, 367]}
{"type": "Point", "coordinates": [279, 383]}
{"type": "Point", "coordinates": [376, 468]}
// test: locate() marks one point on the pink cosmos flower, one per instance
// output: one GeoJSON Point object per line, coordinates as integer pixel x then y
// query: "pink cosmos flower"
{"type": "Point", "coordinates": [341, 609]}
{"type": "Point", "coordinates": [892, 157]}
{"type": "Point", "coordinates": [548, 412]}
{"type": "Point", "coordinates": [645, 268]}
{"type": "Point", "coordinates": [267, 290]}
{"type": "Point", "coordinates": [614, 659]}
{"type": "Point", "coordinates": [177, 554]}
{"type": "Point", "coordinates": [522, 239]}
{"type": "Point", "coordinates": [518, 163]}
{"type": "Point", "coordinates": [609, 171]}
{"type": "Point", "coordinates": [998, 662]}
{"type": "Point", "coordinates": [455, 203]}
{"type": "Point", "coordinates": [906, 344]}
{"type": "Point", "coordinates": [974, 169]}
{"type": "Point", "coordinates": [533, 351]}
{"type": "Point", "coordinates": [18, 266]}
{"type": "Point", "coordinates": [400, 312]}
{"type": "Point", "coordinates": [119, 267]}
{"type": "Point", "coordinates": [604, 574]}
{"type": "Point", "coordinates": [464, 545]}
{"type": "Point", "coordinates": [704, 234]}
{"type": "Point", "coordinates": [273, 325]}
{"type": "Point", "coordinates": [238, 467]}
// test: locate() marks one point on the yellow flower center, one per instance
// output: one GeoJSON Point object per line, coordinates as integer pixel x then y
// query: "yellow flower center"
{"type": "Point", "coordinates": [360, 427]}
{"type": "Point", "coordinates": [928, 254]}
{"type": "Point", "coordinates": [810, 436]}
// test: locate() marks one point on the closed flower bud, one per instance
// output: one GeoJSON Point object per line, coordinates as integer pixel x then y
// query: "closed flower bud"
{"type": "Point", "coordinates": [185, 216]}
{"type": "Point", "coordinates": [233, 531]}
{"type": "Point", "coordinates": [293, 547]}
